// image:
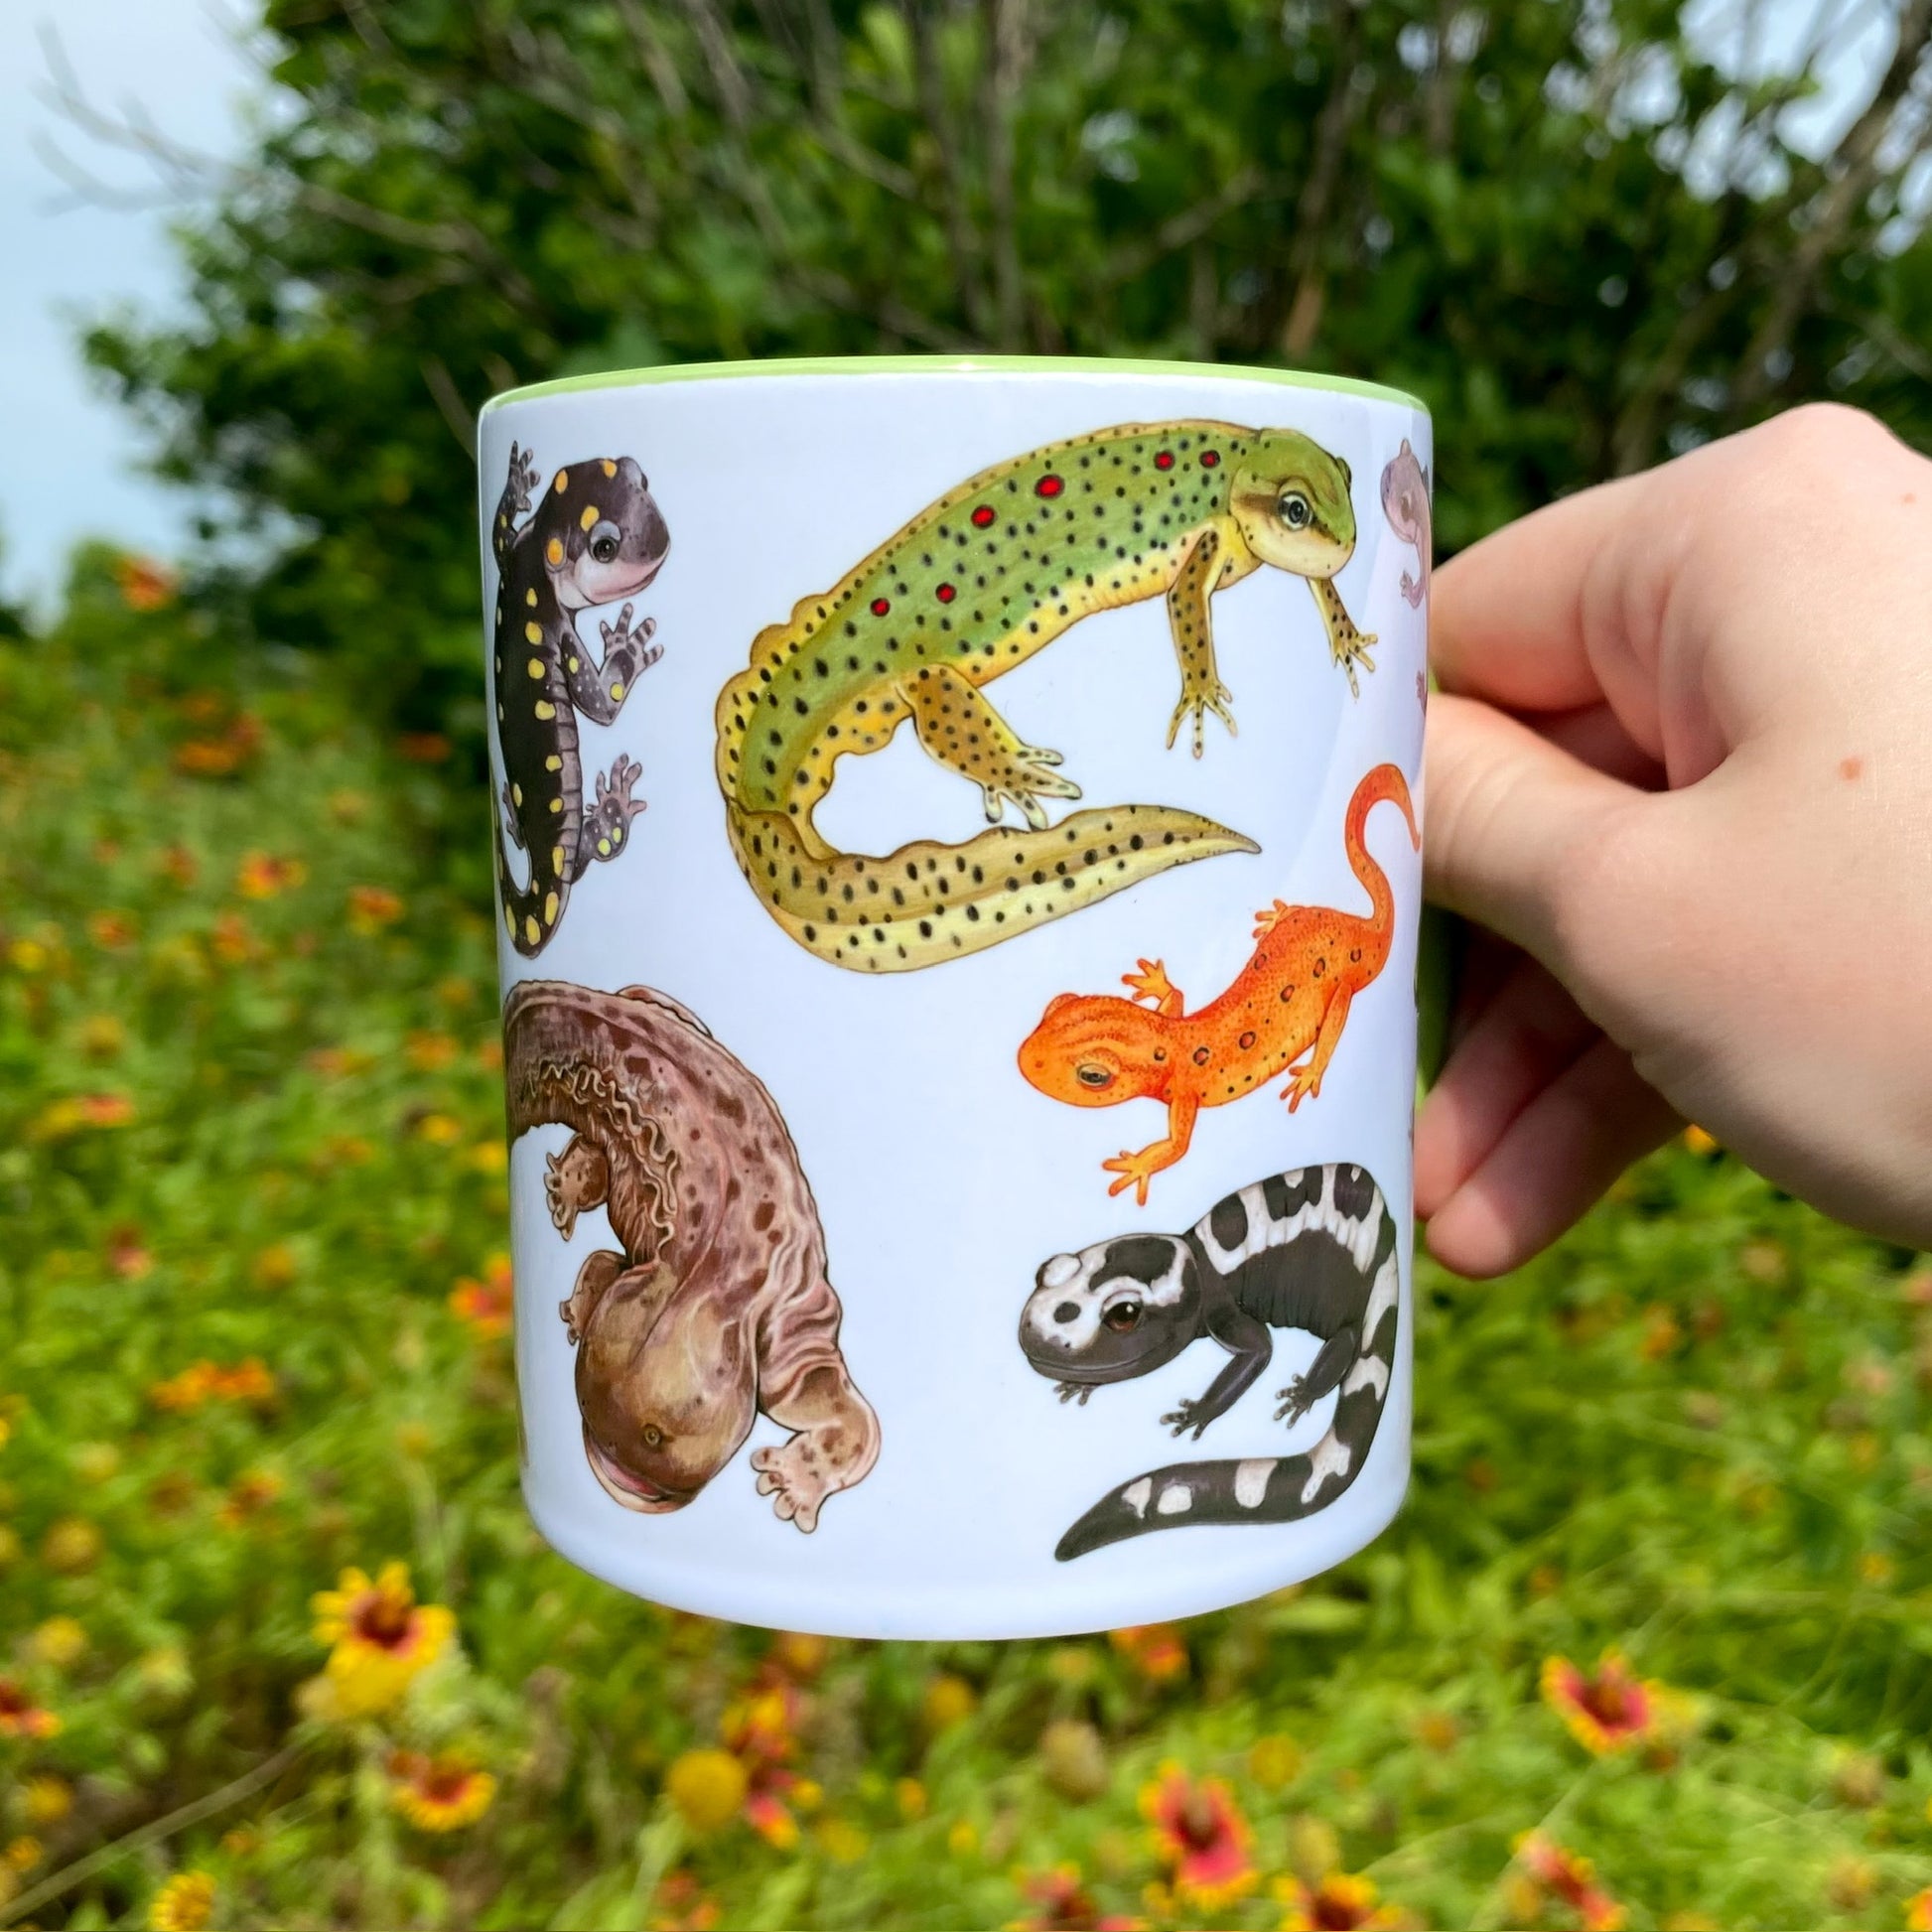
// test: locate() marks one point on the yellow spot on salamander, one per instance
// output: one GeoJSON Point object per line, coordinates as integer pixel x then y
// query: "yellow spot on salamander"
{"type": "Point", "coordinates": [550, 908]}
{"type": "Point", "coordinates": [546, 710]}
{"type": "Point", "coordinates": [557, 860]}
{"type": "Point", "coordinates": [603, 848]}
{"type": "Point", "coordinates": [531, 598]}
{"type": "Point", "coordinates": [509, 922]}
{"type": "Point", "coordinates": [554, 552]}
{"type": "Point", "coordinates": [533, 633]}
{"type": "Point", "coordinates": [610, 467]}
{"type": "Point", "coordinates": [535, 667]}
{"type": "Point", "coordinates": [556, 804]}
{"type": "Point", "coordinates": [516, 792]}
{"type": "Point", "coordinates": [590, 516]}
{"type": "Point", "coordinates": [616, 693]}
{"type": "Point", "coordinates": [553, 763]}
{"type": "Point", "coordinates": [562, 482]}
{"type": "Point", "coordinates": [573, 666]}
{"type": "Point", "coordinates": [616, 835]}
{"type": "Point", "coordinates": [532, 932]}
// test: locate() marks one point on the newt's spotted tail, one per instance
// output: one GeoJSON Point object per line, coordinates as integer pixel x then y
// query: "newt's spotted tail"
{"type": "Point", "coordinates": [929, 901]}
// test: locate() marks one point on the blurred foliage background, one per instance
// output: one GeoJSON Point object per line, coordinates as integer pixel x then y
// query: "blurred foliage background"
{"type": "Point", "coordinates": [1650, 1643]}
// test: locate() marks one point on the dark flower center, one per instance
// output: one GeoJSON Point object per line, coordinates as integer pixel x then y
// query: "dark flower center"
{"type": "Point", "coordinates": [382, 1619]}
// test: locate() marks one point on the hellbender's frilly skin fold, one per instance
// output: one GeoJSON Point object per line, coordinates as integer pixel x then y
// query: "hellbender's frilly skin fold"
{"type": "Point", "coordinates": [972, 587]}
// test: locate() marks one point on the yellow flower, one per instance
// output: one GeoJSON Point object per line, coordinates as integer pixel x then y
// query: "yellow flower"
{"type": "Point", "coordinates": [48, 1800]}
{"type": "Point", "coordinates": [262, 876]}
{"type": "Point", "coordinates": [440, 1129]}
{"type": "Point", "coordinates": [22, 1853]}
{"type": "Point", "coordinates": [843, 1843]}
{"type": "Point", "coordinates": [371, 907]}
{"type": "Point", "coordinates": [382, 1637]}
{"type": "Point", "coordinates": [185, 1904]}
{"type": "Point", "coordinates": [948, 1701]}
{"type": "Point", "coordinates": [963, 1840]}
{"type": "Point", "coordinates": [1273, 1761]}
{"type": "Point", "coordinates": [58, 1642]}
{"type": "Point", "coordinates": [71, 1545]}
{"type": "Point", "coordinates": [707, 1787]}
{"type": "Point", "coordinates": [439, 1794]}
{"type": "Point", "coordinates": [910, 1794]}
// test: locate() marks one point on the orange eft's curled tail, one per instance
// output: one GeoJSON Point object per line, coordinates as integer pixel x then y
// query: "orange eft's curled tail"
{"type": "Point", "coordinates": [1385, 782]}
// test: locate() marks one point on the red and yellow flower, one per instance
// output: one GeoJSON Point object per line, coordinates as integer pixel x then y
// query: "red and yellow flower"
{"type": "Point", "coordinates": [20, 1716]}
{"type": "Point", "coordinates": [1553, 1867]}
{"type": "Point", "coordinates": [1202, 1838]}
{"type": "Point", "coordinates": [371, 907]}
{"type": "Point", "coordinates": [263, 874]}
{"type": "Point", "coordinates": [1340, 1902]}
{"type": "Point", "coordinates": [443, 1793]}
{"type": "Point", "coordinates": [250, 1380]}
{"type": "Point", "coordinates": [760, 1729]}
{"type": "Point", "coordinates": [1609, 1709]}
{"type": "Point", "coordinates": [1918, 1911]}
{"type": "Point", "coordinates": [380, 1637]}
{"type": "Point", "coordinates": [485, 1303]}
{"type": "Point", "coordinates": [1155, 1651]}
{"type": "Point", "coordinates": [146, 584]}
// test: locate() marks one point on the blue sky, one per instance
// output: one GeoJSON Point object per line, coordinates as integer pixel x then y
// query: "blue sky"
{"type": "Point", "coordinates": [71, 464]}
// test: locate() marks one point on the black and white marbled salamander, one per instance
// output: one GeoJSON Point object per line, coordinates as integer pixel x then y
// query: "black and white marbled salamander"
{"type": "Point", "coordinates": [1312, 1249]}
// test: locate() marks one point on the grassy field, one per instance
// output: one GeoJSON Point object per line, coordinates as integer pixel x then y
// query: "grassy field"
{"type": "Point", "coordinates": [251, 1309]}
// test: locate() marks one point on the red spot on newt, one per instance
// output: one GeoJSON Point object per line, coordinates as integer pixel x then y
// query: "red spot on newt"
{"type": "Point", "coordinates": [1165, 460]}
{"type": "Point", "coordinates": [1048, 485]}
{"type": "Point", "coordinates": [1209, 457]}
{"type": "Point", "coordinates": [983, 515]}
{"type": "Point", "coordinates": [881, 604]}
{"type": "Point", "coordinates": [945, 593]}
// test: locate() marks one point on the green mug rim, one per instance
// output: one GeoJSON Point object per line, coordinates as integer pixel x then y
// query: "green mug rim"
{"type": "Point", "coordinates": [1346, 385]}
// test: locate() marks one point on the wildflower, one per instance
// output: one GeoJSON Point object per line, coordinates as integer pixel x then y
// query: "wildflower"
{"type": "Point", "coordinates": [1850, 1883]}
{"type": "Point", "coordinates": [1550, 1866]}
{"type": "Point", "coordinates": [1340, 1902]}
{"type": "Point", "coordinates": [423, 748]}
{"type": "Point", "coordinates": [242, 1841]}
{"type": "Point", "coordinates": [1202, 1836]}
{"type": "Point", "coordinates": [22, 1855]}
{"type": "Point", "coordinates": [842, 1842]}
{"type": "Point", "coordinates": [1065, 1905]}
{"type": "Point", "coordinates": [21, 1716]}
{"type": "Point", "coordinates": [1273, 1761]}
{"type": "Point", "coordinates": [261, 875]}
{"type": "Point", "coordinates": [1605, 1710]}
{"type": "Point", "coordinates": [248, 1495]}
{"type": "Point", "coordinates": [439, 1130]}
{"type": "Point", "coordinates": [1662, 1332]}
{"type": "Point", "coordinates": [145, 583]}
{"type": "Point", "coordinates": [707, 1788]}
{"type": "Point", "coordinates": [1073, 1759]}
{"type": "Point", "coordinates": [963, 1839]}
{"type": "Point", "coordinates": [179, 866]}
{"type": "Point", "coordinates": [110, 930]}
{"type": "Point", "coordinates": [75, 1113]}
{"type": "Point", "coordinates": [250, 1380]}
{"type": "Point", "coordinates": [949, 1699]}
{"type": "Point", "coordinates": [185, 1904]}
{"type": "Point", "coordinates": [60, 1641]}
{"type": "Point", "coordinates": [430, 1053]}
{"type": "Point", "coordinates": [1155, 1651]}
{"type": "Point", "coordinates": [96, 1462]}
{"type": "Point", "coordinates": [485, 1304]}
{"type": "Point", "coordinates": [439, 1794]}
{"type": "Point", "coordinates": [102, 1036]}
{"type": "Point", "coordinates": [908, 1794]}
{"type": "Point", "coordinates": [274, 1267]}
{"type": "Point", "coordinates": [490, 1156]}
{"type": "Point", "coordinates": [222, 756]}
{"type": "Point", "coordinates": [371, 907]}
{"type": "Point", "coordinates": [47, 1800]}
{"type": "Point", "coordinates": [71, 1545]}
{"type": "Point", "coordinates": [230, 940]}
{"type": "Point", "coordinates": [126, 1254]}
{"type": "Point", "coordinates": [1918, 1911]}
{"type": "Point", "coordinates": [683, 1906]}
{"type": "Point", "coordinates": [759, 1731]}
{"type": "Point", "coordinates": [162, 1673]}
{"type": "Point", "coordinates": [382, 1637]}
{"type": "Point", "coordinates": [1438, 1730]}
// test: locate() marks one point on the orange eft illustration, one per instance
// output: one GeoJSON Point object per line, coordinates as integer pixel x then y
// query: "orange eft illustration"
{"type": "Point", "coordinates": [1294, 995]}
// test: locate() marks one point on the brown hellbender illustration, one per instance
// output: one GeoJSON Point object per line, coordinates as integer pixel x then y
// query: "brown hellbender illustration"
{"type": "Point", "coordinates": [719, 1306]}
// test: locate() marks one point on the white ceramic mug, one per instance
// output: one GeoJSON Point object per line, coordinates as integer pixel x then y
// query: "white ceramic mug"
{"type": "Point", "coordinates": [960, 1131]}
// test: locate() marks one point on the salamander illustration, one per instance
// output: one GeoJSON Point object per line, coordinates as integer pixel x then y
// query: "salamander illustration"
{"type": "Point", "coordinates": [719, 1306]}
{"type": "Point", "coordinates": [1293, 996]}
{"type": "Point", "coordinates": [973, 586]}
{"type": "Point", "coordinates": [595, 536]}
{"type": "Point", "coordinates": [1312, 1249]}
{"type": "Point", "coordinates": [1404, 502]}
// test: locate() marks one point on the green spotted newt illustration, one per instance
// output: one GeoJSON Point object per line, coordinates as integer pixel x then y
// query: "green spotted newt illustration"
{"type": "Point", "coordinates": [596, 537]}
{"type": "Point", "coordinates": [1291, 997]}
{"type": "Point", "coordinates": [970, 587]}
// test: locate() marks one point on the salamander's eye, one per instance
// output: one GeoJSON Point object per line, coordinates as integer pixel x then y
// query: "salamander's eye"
{"type": "Point", "coordinates": [653, 1436]}
{"type": "Point", "coordinates": [1123, 1315]}
{"type": "Point", "coordinates": [605, 541]}
{"type": "Point", "coordinates": [1090, 1075]}
{"type": "Point", "coordinates": [1295, 509]}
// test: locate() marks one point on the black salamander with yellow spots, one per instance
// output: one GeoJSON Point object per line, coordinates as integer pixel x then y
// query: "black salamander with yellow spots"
{"type": "Point", "coordinates": [597, 536]}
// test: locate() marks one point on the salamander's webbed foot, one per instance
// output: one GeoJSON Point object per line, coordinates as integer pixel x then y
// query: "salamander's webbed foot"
{"type": "Point", "coordinates": [608, 820]}
{"type": "Point", "coordinates": [1348, 646]}
{"type": "Point", "coordinates": [958, 727]}
{"type": "Point", "coordinates": [1199, 700]}
{"type": "Point", "coordinates": [598, 690]}
{"type": "Point", "coordinates": [1073, 1392]}
{"type": "Point", "coordinates": [1191, 1414]}
{"type": "Point", "coordinates": [575, 1179]}
{"type": "Point", "coordinates": [511, 822]}
{"type": "Point", "coordinates": [522, 481]}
